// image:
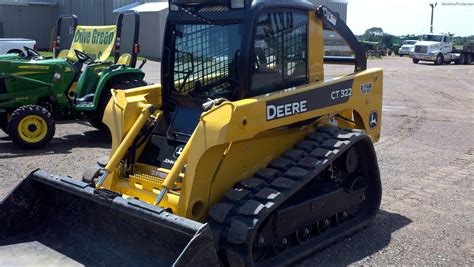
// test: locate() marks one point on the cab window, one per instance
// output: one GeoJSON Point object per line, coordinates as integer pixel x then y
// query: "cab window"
{"type": "Point", "coordinates": [280, 52]}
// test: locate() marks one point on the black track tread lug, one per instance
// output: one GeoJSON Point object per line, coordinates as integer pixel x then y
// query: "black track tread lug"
{"type": "Point", "coordinates": [306, 145]}
{"type": "Point", "coordinates": [267, 174]}
{"type": "Point", "coordinates": [322, 153]}
{"type": "Point", "coordinates": [252, 183]}
{"type": "Point", "coordinates": [252, 208]}
{"type": "Point", "coordinates": [283, 183]}
{"type": "Point", "coordinates": [347, 135]}
{"type": "Point", "coordinates": [334, 143]}
{"type": "Point", "coordinates": [220, 211]}
{"type": "Point", "coordinates": [236, 194]}
{"type": "Point", "coordinates": [237, 233]}
{"type": "Point", "coordinates": [271, 186]}
{"type": "Point", "coordinates": [293, 154]}
{"type": "Point", "coordinates": [318, 137]}
{"type": "Point", "coordinates": [309, 163]}
{"type": "Point", "coordinates": [269, 194]}
{"type": "Point", "coordinates": [296, 173]}
{"type": "Point", "coordinates": [280, 163]}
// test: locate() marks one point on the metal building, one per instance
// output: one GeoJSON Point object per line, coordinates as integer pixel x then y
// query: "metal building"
{"type": "Point", "coordinates": [35, 19]}
{"type": "Point", "coordinates": [28, 20]}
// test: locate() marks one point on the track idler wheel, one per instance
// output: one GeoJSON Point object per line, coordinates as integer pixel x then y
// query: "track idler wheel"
{"type": "Point", "coordinates": [322, 226]}
{"type": "Point", "coordinates": [281, 246]}
{"type": "Point", "coordinates": [352, 160]}
{"type": "Point", "coordinates": [340, 218]}
{"type": "Point", "coordinates": [303, 235]}
{"type": "Point", "coordinates": [259, 252]}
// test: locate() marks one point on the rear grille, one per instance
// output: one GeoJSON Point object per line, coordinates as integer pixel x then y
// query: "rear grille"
{"type": "Point", "coordinates": [214, 9]}
{"type": "Point", "coordinates": [142, 177]}
{"type": "Point", "coordinates": [421, 48]}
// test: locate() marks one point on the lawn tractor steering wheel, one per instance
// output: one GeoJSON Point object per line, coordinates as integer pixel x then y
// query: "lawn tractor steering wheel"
{"type": "Point", "coordinates": [83, 57]}
{"type": "Point", "coordinates": [31, 53]}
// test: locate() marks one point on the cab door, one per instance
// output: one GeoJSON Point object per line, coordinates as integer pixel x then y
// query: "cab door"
{"type": "Point", "coordinates": [447, 46]}
{"type": "Point", "coordinates": [280, 51]}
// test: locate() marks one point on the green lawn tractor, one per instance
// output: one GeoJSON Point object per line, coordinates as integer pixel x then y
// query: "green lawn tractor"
{"type": "Point", "coordinates": [76, 84]}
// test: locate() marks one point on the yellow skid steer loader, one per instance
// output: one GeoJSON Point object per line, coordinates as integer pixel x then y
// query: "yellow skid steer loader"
{"type": "Point", "coordinates": [244, 155]}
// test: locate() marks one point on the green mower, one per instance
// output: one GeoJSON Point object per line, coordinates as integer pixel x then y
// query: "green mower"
{"type": "Point", "coordinates": [75, 84]}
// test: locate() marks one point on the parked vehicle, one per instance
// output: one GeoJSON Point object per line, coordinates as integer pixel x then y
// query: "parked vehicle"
{"type": "Point", "coordinates": [77, 85]}
{"type": "Point", "coordinates": [374, 49]}
{"type": "Point", "coordinates": [407, 47]}
{"type": "Point", "coordinates": [438, 48]}
{"type": "Point", "coordinates": [16, 45]}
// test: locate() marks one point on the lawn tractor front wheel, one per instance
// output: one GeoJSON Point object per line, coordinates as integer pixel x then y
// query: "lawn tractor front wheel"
{"type": "Point", "coordinates": [31, 127]}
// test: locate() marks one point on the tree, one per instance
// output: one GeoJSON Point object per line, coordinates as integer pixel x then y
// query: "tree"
{"type": "Point", "coordinates": [376, 34]}
{"type": "Point", "coordinates": [373, 34]}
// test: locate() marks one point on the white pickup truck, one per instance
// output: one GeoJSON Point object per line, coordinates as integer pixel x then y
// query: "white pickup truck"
{"type": "Point", "coordinates": [438, 48]}
{"type": "Point", "coordinates": [15, 45]}
{"type": "Point", "coordinates": [407, 47]}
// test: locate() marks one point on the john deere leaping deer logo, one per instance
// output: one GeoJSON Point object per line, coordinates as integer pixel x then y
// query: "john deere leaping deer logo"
{"type": "Point", "coordinates": [373, 119]}
{"type": "Point", "coordinates": [178, 151]}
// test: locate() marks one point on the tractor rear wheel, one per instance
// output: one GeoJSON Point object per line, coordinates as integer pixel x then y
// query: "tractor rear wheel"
{"type": "Point", "coordinates": [16, 51]}
{"type": "Point", "coordinates": [96, 121]}
{"type": "Point", "coordinates": [31, 127]}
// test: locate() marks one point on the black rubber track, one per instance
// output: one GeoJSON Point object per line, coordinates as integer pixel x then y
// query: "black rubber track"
{"type": "Point", "coordinates": [236, 219]}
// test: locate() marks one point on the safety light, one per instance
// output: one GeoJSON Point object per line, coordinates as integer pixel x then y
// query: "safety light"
{"type": "Point", "coordinates": [136, 48]}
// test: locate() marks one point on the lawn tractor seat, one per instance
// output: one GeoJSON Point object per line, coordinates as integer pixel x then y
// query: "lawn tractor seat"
{"type": "Point", "coordinates": [86, 82]}
{"type": "Point", "coordinates": [63, 53]}
{"type": "Point", "coordinates": [124, 59]}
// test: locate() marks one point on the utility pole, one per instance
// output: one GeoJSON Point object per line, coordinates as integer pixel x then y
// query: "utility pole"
{"type": "Point", "coordinates": [432, 12]}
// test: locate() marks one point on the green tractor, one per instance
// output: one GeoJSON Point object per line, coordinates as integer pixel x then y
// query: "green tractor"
{"type": "Point", "coordinates": [374, 49]}
{"type": "Point", "coordinates": [75, 84]}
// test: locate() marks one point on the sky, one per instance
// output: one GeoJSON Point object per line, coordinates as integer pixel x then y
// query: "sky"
{"type": "Point", "coordinates": [400, 17]}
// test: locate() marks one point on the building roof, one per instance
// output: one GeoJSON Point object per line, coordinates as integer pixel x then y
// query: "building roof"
{"type": "Point", "coordinates": [29, 2]}
{"type": "Point", "coordinates": [143, 8]}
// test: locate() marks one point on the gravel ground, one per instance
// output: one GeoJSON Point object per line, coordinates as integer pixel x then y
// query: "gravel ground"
{"type": "Point", "coordinates": [426, 158]}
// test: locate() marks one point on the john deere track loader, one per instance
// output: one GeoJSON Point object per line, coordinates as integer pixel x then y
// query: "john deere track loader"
{"type": "Point", "coordinates": [245, 155]}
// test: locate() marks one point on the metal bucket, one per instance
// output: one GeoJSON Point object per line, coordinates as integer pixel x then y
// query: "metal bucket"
{"type": "Point", "coordinates": [59, 220]}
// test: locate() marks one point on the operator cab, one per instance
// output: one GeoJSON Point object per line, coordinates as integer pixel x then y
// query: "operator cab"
{"type": "Point", "coordinates": [225, 49]}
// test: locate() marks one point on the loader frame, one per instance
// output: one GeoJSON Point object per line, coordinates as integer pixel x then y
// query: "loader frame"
{"type": "Point", "coordinates": [234, 126]}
